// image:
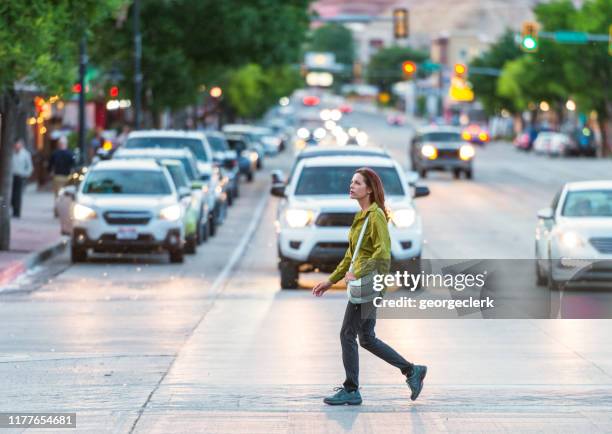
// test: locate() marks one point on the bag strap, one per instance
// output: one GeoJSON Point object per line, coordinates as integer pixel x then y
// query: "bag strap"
{"type": "Point", "coordinates": [363, 228]}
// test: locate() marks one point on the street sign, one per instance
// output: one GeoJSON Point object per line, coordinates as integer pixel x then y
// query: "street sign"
{"type": "Point", "coordinates": [571, 37]}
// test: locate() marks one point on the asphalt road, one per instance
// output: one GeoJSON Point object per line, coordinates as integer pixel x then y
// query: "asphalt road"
{"type": "Point", "coordinates": [135, 344]}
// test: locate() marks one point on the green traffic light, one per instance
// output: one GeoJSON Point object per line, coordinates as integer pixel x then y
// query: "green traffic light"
{"type": "Point", "coordinates": [529, 43]}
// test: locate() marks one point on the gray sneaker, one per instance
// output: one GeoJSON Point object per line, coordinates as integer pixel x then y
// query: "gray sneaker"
{"type": "Point", "coordinates": [343, 396]}
{"type": "Point", "coordinates": [415, 381]}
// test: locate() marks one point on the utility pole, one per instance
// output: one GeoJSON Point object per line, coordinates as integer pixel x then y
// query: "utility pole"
{"type": "Point", "coordinates": [137, 59]}
{"type": "Point", "coordinates": [82, 71]}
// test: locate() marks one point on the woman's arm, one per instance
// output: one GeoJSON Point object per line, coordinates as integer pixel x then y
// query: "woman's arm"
{"type": "Point", "coordinates": [342, 267]}
{"type": "Point", "coordinates": [380, 260]}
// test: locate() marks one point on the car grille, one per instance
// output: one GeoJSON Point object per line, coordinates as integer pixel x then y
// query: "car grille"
{"type": "Point", "coordinates": [330, 245]}
{"type": "Point", "coordinates": [603, 245]}
{"type": "Point", "coordinates": [127, 217]}
{"type": "Point", "coordinates": [113, 237]}
{"type": "Point", "coordinates": [448, 153]}
{"type": "Point", "coordinates": [336, 219]}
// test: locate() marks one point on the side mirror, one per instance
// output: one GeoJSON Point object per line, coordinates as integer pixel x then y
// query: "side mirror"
{"type": "Point", "coordinates": [278, 190]}
{"type": "Point", "coordinates": [197, 185]}
{"type": "Point", "coordinates": [546, 214]}
{"type": "Point", "coordinates": [69, 191]}
{"type": "Point", "coordinates": [421, 191]}
{"type": "Point", "coordinates": [278, 177]}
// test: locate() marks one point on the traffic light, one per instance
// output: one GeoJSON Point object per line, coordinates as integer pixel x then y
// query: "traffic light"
{"type": "Point", "coordinates": [400, 23]}
{"type": "Point", "coordinates": [529, 37]}
{"type": "Point", "coordinates": [460, 70]}
{"type": "Point", "coordinates": [114, 92]}
{"type": "Point", "coordinates": [409, 68]}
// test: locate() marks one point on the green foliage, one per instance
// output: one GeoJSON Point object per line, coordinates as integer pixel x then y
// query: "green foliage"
{"type": "Point", "coordinates": [334, 38]}
{"type": "Point", "coordinates": [485, 86]}
{"type": "Point", "coordinates": [39, 40]}
{"type": "Point", "coordinates": [385, 66]}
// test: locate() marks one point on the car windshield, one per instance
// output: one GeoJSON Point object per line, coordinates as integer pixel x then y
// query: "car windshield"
{"type": "Point", "coordinates": [178, 175]}
{"type": "Point", "coordinates": [442, 137]}
{"type": "Point", "coordinates": [193, 145]}
{"type": "Point", "coordinates": [337, 180]}
{"type": "Point", "coordinates": [588, 203]}
{"type": "Point", "coordinates": [217, 143]}
{"type": "Point", "coordinates": [236, 144]}
{"type": "Point", "coordinates": [141, 182]}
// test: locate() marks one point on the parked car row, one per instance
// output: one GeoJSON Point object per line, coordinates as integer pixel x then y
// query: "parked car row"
{"type": "Point", "coordinates": [163, 190]}
{"type": "Point", "coordinates": [557, 144]}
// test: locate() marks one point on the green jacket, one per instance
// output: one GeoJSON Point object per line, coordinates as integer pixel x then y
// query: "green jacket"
{"type": "Point", "coordinates": [375, 251]}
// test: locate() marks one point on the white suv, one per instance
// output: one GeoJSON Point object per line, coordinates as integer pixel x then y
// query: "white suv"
{"type": "Point", "coordinates": [127, 205]}
{"type": "Point", "coordinates": [315, 214]}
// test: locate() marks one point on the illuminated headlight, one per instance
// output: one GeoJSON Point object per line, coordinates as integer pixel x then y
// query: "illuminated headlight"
{"type": "Point", "coordinates": [253, 156]}
{"type": "Point", "coordinates": [319, 133]}
{"type": "Point", "coordinates": [218, 189]}
{"type": "Point", "coordinates": [466, 152]}
{"type": "Point", "coordinates": [353, 131]}
{"type": "Point", "coordinates": [82, 212]}
{"type": "Point", "coordinates": [170, 213]}
{"type": "Point", "coordinates": [403, 218]}
{"type": "Point", "coordinates": [298, 218]}
{"type": "Point", "coordinates": [362, 138]}
{"type": "Point", "coordinates": [466, 135]}
{"type": "Point", "coordinates": [303, 133]}
{"type": "Point", "coordinates": [430, 152]}
{"type": "Point", "coordinates": [330, 125]}
{"type": "Point", "coordinates": [571, 240]}
{"type": "Point", "coordinates": [335, 115]}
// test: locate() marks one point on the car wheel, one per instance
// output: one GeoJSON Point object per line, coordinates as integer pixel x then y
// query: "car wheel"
{"type": "Point", "coordinates": [204, 232]}
{"type": "Point", "coordinates": [289, 275]}
{"type": "Point", "coordinates": [176, 256]}
{"type": "Point", "coordinates": [541, 279]}
{"type": "Point", "coordinates": [259, 164]}
{"type": "Point", "coordinates": [191, 244]}
{"type": "Point", "coordinates": [78, 254]}
{"type": "Point", "coordinates": [230, 198]}
{"type": "Point", "coordinates": [250, 177]}
{"type": "Point", "coordinates": [212, 225]}
{"type": "Point", "coordinates": [422, 173]}
{"type": "Point", "coordinates": [457, 173]}
{"type": "Point", "coordinates": [469, 174]}
{"type": "Point", "coordinates": [553, 285]}
{"type": "Point", "coordinates": [236, 192]}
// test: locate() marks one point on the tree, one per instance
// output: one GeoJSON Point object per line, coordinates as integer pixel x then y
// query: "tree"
{"type": "Point", "coordinates": [485, 86]}
{"type": "Point", "coordinates": [188, 43]}
{"type": "Point", "coordinates": [385, 66]}
{"type": "Point", "coordinates": [334, 38]}
{"type": "Point", "coordinates": [38, 48]}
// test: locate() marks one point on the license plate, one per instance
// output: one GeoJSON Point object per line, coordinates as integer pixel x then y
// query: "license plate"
{"type": "Point", "coordinates": [127, 234]}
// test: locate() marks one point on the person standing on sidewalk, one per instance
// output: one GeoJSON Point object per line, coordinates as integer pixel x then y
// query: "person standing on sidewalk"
{"type": "Point", "coordinates": [61, 164]}
{"type": "Point", "coordinates": [373, 256]}
{"type": "Point", "coordinates": [22, 169]}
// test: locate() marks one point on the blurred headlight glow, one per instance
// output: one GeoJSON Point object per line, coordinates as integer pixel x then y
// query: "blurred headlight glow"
{"type": "Point", "coordinates": [303, 133]}
{"type": "Point", "coordinates": [335, 115]}
{"type": "Point", "coordinates": [330, 125]}
{"type": "Point", "coordinates": [466, 152]}
{"type": "Point", "coordinates": [571, 240]}
{"type": "Point", "coordinates": [429, 151]}
{"type": "Point", "coordinates": [170, 213]}
{"type": "Point", "coordinates": [403, 218]}
{"type": "Point", "coordinates": [319, 133]}
{"type": "Point", "coordinates": [325, 115]}
{"type": "Point", "coordinates": [298, 218]}
{"type": "Point", "coordinates": [82, 212]}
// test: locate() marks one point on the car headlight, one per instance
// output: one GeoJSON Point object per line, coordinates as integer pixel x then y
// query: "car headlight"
{"type": "Point", "coordinates": [466, 152]}
{"type": "Point", "coordinates": [403, 218]}
{"type": "Point", "coordinates": [466, 135]}
{"type": "Point", "coordinates": [298, 218]}
{"type": "Point", "coordinates": [303, 133]}
{"type": "Point", "coordinates": [571, 240]}
{"type": "Point", "coordinates": [430, 152]}
{"type": "Point", "coordinates": [253, 156]}
{"type": "Point", "coordinates": [170, 213]}
{"type": "Point", "coordinates": [82, 212]}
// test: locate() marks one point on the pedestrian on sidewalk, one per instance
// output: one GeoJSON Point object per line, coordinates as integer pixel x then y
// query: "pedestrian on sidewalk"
{"type": "Point", "coordinates": [61, 164]}
{"type": "Point", "coordinates": [369, 238]}
{"type": "Point", "coordinates": [22, 168]}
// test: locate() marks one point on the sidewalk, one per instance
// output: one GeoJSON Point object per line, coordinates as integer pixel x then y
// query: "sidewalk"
{"type": "Point", "coordinates": [34, 237]}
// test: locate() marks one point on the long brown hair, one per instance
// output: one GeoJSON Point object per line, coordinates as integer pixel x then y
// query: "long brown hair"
{"type": "Point", "coordinates": [374, 182]}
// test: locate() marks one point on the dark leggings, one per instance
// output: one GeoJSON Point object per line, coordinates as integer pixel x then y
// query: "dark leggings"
{"type": "Point", "coordinates": [359, 320]}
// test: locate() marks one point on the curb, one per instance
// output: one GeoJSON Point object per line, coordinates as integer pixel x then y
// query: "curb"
{"type": "Point", "coordinates": [21, 266]}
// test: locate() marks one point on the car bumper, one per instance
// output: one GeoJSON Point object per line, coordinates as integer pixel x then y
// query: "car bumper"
{"type": "Point", "coordinates": [445, 164]}
{"type": "Point", "coordinates": [592, 272]}
{"type": "Point", "coordinates": [109, 241]}
{"type": "Point", "coordinates": [319, 246]}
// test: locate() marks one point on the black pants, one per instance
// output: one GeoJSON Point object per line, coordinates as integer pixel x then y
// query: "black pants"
{"type": "Point", "coordinates": [17, 194]}
{"type": "Point", "coordinates": [359, 320]}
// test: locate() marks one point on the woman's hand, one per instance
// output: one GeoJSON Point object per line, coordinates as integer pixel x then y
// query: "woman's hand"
{"type": "Point", "coordinates": [320, 288]}
{"type": "Point", "coordinates": [349, 276]}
